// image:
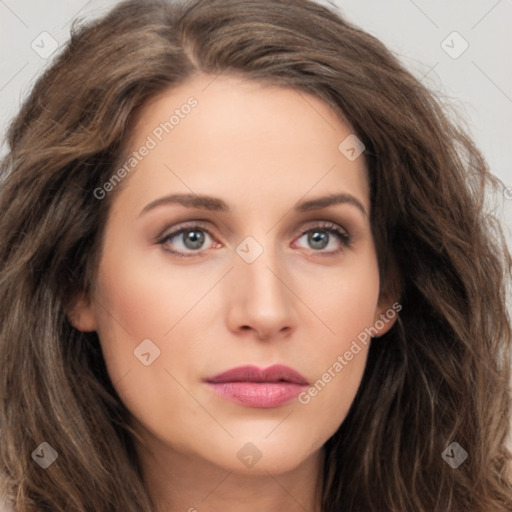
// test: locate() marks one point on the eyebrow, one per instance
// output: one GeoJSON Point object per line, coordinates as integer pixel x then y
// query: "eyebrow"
{"type": "Point", "coordinates": [215, 204]}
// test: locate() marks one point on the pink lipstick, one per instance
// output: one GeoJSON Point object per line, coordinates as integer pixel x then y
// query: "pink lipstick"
{"type": "Point", "coordinates": [254, 387]}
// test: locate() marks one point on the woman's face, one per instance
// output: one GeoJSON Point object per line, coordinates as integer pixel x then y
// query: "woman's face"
{"type": "Point", "coordinates": [221, 251]}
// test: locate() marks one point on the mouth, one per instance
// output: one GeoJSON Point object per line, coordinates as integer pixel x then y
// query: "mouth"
{"type": "Point", "coordinates": [255, 387]}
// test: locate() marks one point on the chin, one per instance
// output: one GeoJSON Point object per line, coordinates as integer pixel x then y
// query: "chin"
{"type": "Point", "coordinates": [255, 455]}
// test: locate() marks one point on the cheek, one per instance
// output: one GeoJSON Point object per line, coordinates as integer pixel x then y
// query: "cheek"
{"type": "Point", "coordinates": [340, 365]}
{"type": "Point", "coordinates": [145, 296]}
{"type": "Point", "coordinates": [137, 305]}
{"type": "Point", "coordinates": [347, 301]}
{"type": "Point", "coordinates": [347, 306]}
{"type": "Point", "coordinates": [134, 304]}
{"type": "Point", "coordinates": [141, 301]}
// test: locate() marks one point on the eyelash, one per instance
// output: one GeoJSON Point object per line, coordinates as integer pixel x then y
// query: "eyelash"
{"type": "Point", "coordinates": [342, 235]}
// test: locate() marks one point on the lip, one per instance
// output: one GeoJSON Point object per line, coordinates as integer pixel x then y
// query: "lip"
{"type": "Point", "coordinates": [257, 387]}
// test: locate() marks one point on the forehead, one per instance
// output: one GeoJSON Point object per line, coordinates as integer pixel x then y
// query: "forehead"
{"type": "Point", "coordinates": [226, 134]}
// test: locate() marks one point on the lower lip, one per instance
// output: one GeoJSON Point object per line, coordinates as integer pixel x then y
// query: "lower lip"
{"type": "Point", "coordinates": [258, 394]}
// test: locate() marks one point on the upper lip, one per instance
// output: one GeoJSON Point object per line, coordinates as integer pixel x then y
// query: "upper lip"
{"type": "Point", "coordinates": [274, 373]}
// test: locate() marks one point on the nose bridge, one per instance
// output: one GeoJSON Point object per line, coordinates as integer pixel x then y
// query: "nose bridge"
{"type": "Point", "coordinates": [261, 298]}
{"type": "Point", "coordinates": [257, 267]}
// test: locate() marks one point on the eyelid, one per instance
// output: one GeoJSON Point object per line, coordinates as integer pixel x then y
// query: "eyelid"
{"type": "Point", "coordinates": [344, 235]}
{"type": "Point", "coordinates": [323, 224]}
{"type": "Point", "coordinates": [180, 226]}
{"type": "Point", "coordinates": [177, 229]}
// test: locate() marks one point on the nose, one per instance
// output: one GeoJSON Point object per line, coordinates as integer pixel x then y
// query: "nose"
{"type": "Point", "coordinates": [260, 298]}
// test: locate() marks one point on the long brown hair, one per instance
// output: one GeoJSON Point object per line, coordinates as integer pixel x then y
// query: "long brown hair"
{"type": "Point", "coordinates": [440, 375]}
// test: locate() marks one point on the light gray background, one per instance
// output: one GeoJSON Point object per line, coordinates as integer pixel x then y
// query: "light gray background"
{"type": "Point", "coordinates": [478, 81]}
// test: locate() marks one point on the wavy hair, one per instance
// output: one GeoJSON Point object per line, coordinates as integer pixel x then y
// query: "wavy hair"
{"type": "Point", "coordinates": [441, 374]}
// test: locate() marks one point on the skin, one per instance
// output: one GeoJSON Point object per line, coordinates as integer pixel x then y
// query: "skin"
{"type": "Point", "coordinates": [261, 149]}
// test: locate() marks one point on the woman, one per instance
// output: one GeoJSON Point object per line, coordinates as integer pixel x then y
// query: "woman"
{"type": "Point", "coordinates": [246, 265]}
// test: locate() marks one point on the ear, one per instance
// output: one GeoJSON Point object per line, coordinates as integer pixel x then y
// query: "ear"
{"type": "Point", "coordinates": [81, 314]}
{"type": "Point", "coordinates": [385, 316]}
{"type": "Point", "coordinates": [388, 306]}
